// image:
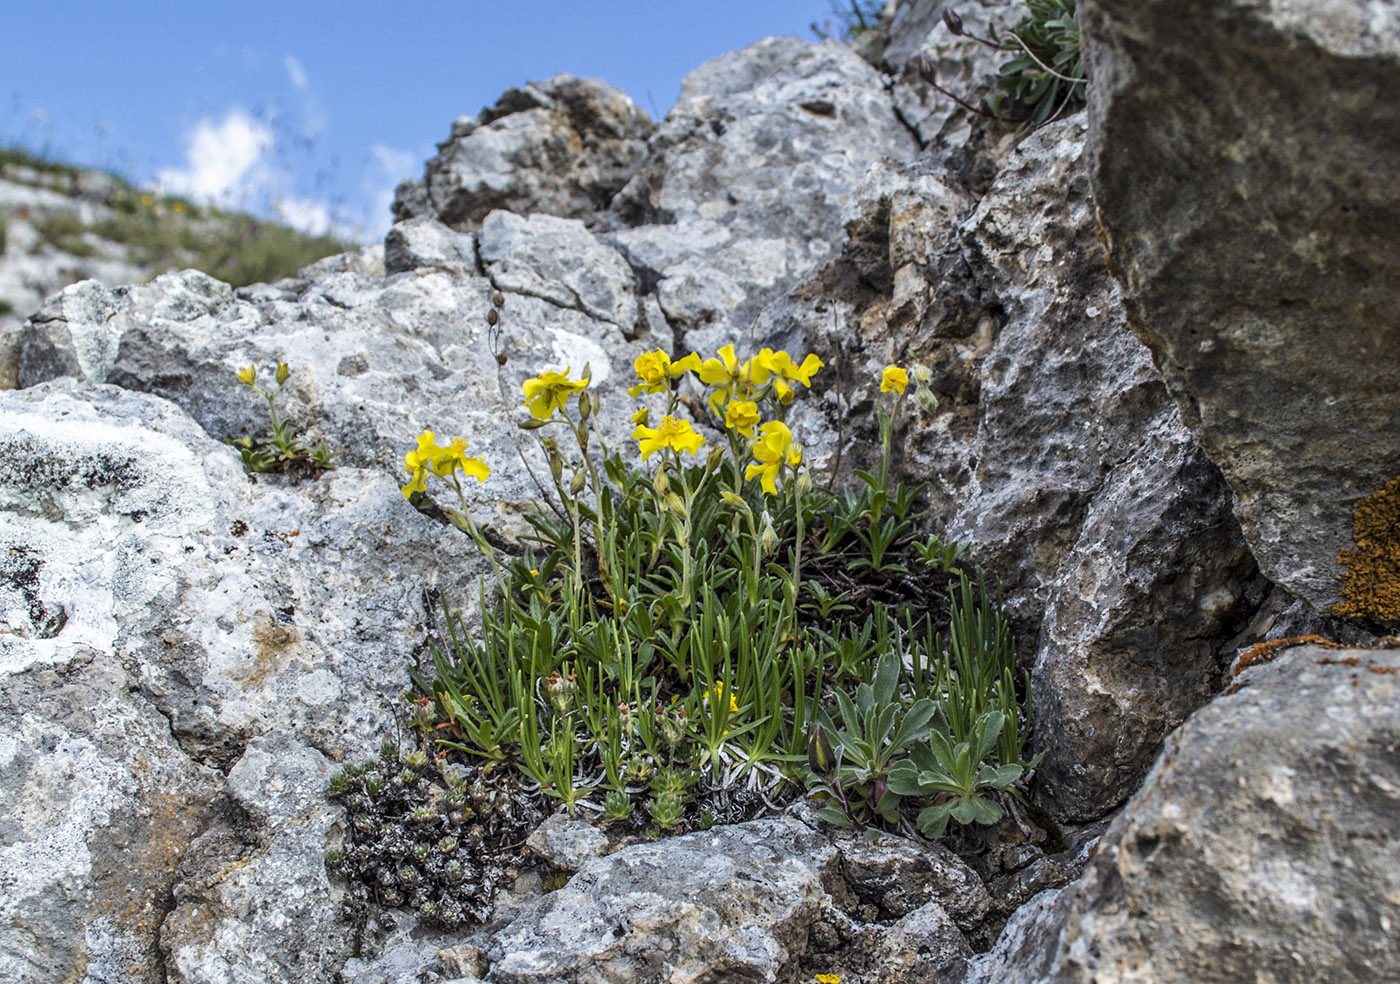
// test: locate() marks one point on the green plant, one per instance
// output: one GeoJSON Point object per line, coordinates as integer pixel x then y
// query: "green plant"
{"type": "Point", "coordinates": [956, 777]}
{"type": "Point", "coordinates": [673, 646]}
{"type": "Point", "coordinates": [1042, 80]}
{"type": "Point", "coordinates": [282, 452]}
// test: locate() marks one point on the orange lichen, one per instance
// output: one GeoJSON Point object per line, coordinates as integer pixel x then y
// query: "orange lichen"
{"type": "Point", "coordinates": [1371, 575]}
{"type": "Point", "coordinates": [1264, 652]}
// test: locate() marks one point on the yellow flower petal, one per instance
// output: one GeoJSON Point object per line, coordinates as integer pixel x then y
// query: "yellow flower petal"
{"type": "Point", "coordinates": [893, 380]}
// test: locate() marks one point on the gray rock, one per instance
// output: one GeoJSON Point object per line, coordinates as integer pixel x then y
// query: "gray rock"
{"type": "Point", "coordinates": [898, 876]}
{"type": "Point", "coordinates": [732, 903]}
{"type": "Point", "coordinates": [1262, 274]}
{"type": "Point", "coordinates": [1262, 845]}
{"type": "Point", "coordinates": [969, 147]}
{"type": "Point", "coordinates": [741, 194]}
{"type": "Point", "coordinates": [99, 802]}
{"type": "Point", "coordinates": [563, 147]}
{"type": "Point", "coordinates": [1025, 950]}
{"type": "Point", "coordinates": [271, 913]}
{"type": "Point", "coordinates": [917, 945]}
{"type": "Point", "coordinates": [424, 242]}
{"type": "Point", "coordinates": [567, 842]}
{"type": "Point", "coordinates": [559, 261]}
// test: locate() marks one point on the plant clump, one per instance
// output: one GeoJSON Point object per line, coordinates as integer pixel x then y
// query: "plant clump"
{"type": "Point", "coordinates": [438, 838]}
{"type": "Point", "coordinates": [676, 644]}
{"type": "Point", "coordinates": [1371, 572]}
{"type": "Point", "coordinates": [1043, 80]}
{"type": "Point", "coordinates": [282, 452]}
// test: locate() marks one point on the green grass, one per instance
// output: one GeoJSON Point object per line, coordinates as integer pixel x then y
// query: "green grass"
{"type": "Point", "coordinates": [166, 232]}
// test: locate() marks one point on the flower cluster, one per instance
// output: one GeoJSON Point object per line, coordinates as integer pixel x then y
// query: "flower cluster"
{"type": "Point", "coordinates": [444, 462]}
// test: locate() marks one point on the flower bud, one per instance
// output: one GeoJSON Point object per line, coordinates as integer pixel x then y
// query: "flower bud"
{"type": "Point", "coordinates": [926, 71]}
{"type": "Point", "coordinates": [716, 456]}
{"type": "Point", "coordinates": [248, 376]}
{"type": "Point", "coordinates": [579, 480]}
{"type": "Point", "coordinates": [820, 758]}
{"type": "Point", "coordinates": [924, 397]}
{"type": "Point", "coordinates": [531, 424]}
{"type": "Point", "coordinates": [585, 405]}
{"type": "Point", "coordinates": [804, 482]}
{"type": "Point", "coordinates": [282, 373]}
{"type": "Point", "coordinates": [660, 482]}
{"type": "Point", "coordinates": [674, 503]}
{"type": "Point", "coordinates": [952, 20]}
{"type": "Point", "coordinates": [769, 536]}
{"type": "Point", "coordinates": [922, 374]}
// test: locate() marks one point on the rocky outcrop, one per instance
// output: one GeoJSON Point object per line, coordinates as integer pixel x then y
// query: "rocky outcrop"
{"type": "Point", "coordinates": [563, 147]}
{"type": "Point", "coordinates": [1258, 260]}
{"type": "Point", "coordinates": [1261, 846]}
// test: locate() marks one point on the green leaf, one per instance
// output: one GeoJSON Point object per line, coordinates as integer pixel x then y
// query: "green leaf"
{"type": "Point", "coordinates": [933, 821]}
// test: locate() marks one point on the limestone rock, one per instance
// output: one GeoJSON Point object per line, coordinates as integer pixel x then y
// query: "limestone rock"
{"type": "Point", "coordinates": [557, 260]}
{"type": "Point", "coordinates": [1262, 273]}
{"type": "Point", "coordinates": [731, 903]}
{"type": "Point", "coordinates": [741, 193]}
{"type": "Point", "coordinates": [1261, 846]}
{"type": "Point", "coordinates": [425, 242]}
{"type": "Point", "coordinates": [918, 944]}
{"type": "Point", "coordinates": [898, 876]}
{"type": "Point", "coordinates": [563, 147]}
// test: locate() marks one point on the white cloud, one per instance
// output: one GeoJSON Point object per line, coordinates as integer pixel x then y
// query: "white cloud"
{"type": "Point", "coordinates": [295, 72]}
{"type": "Point", "coordinates": [311, 217]}
{"type": "Point", "coordinates": [224, 161]}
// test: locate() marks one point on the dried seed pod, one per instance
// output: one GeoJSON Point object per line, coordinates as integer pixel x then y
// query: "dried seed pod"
{"type": "Point", "coordinates": [498, 299]}
{"type": "Point", "coordinates": [492, 318]}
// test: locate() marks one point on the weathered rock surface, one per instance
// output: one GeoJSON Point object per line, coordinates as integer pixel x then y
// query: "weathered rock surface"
{"type": "Point", "coordinates": [563, 147]}
{"type": "Point", "coordinates": [1055, 450]}
{"type": "Point", "coordinates": [729, 904]}
{"type": "Point", "coordinates": [1261, 847]}
{"type": "Point", "coordinates": [1258, 260]}
{"type": "Point", "coordinates": [741, 193]}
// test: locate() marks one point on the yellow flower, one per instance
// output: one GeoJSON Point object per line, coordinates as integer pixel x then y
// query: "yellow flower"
{"type": "Point", "coordinates": [772, 449]}
{"type": "Point", "coordinates": [180, 207]}
{"type": "Point", "coordinates": [550, 391]}
{"type": "Point", "coordinates": [726, 375]}
{"type": "Point", "coordinates": [742, 417]}
{"type": "Point", "coordinates": [148, 200]}
{"type": "Point", "coordinates": [641, 417]}
{"type": "Point", "coordinates": [675, 434]}
{"type": "Point", "coordinates": [454, 457]}
{"type": "Point", "coordinates": [656, 370]}
{"type": "Point", "coordinates": [248, 376]}
{"type": "Point", "coordinates": [420, 461]}
{"type": "Point", "coordinates": [828, 979]}
{"type": "Point", "coordinates": [717, 692]}
{"type": "Point", "coordinates": [780, 366]}
{"type": "Point", "coordinates": [893, 380]}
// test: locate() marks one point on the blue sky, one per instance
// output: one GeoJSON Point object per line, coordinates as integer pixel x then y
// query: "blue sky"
{"type": "Point", "coordinates": [317, 110]}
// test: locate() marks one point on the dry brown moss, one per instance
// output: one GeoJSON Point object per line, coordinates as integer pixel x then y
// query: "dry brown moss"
{"type": "Point", "coordinates": [1371, 574]}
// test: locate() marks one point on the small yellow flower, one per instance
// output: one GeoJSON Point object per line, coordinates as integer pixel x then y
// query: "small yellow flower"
{"type": "Point", "coordinates": [641, 417]}
{"type": "Point", "coordinates": [248, 376]}
{"type": "Point", "coordinates": [148, 200]}
{"type": "Point", "coordinates": [780, 365]}
{"type": "Point", "coordinates": [742, 417]}
{"type": "Point", "coordinates": [675, 434]}
{"type": "Point", "coordinates": [656, 370]}
{"type": "Point", "coordinates": [772, 450]}
{"type": "Point", "coordinates": [180, 207]}
{"type": "Point", "coordinates": [420, 461]}
{"type": "Point", "coordinates": [717, 692]}
{"type": "Point", "coordinates": [726, 375]}
{"type": "Point", "coordinates": [550, 391]}
{"type": "Point", "coordinates": [828, 979]}
{"type": "Point", "coordinates": [893, 380]}
{"type": "Point", "coordinates": [454, 457]}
